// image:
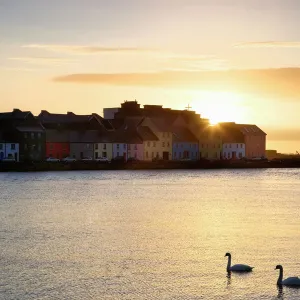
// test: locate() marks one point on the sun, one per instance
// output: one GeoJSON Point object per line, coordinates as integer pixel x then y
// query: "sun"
{"type": "Point", "coordinates": [220, 106]}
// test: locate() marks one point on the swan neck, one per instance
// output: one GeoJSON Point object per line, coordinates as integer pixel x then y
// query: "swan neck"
{"type": "Point", "coordinates": [229, 263]}
{"type": "Point", "coordinates": [279, 281]}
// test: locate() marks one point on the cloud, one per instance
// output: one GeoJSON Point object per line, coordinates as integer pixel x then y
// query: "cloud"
{"type": "Point", "coordinates": [17, 69]}
{"type": "Point", "coordinates": [194, 63]}
{"type": "Point", "coordinates": [268, 44]}
{"type": "Point", "coordinates": [42, 60]}
{"type": "Point", "coordinates": [277, 134]}
{"type": "Point", "coordinates": [283, 82]}
{"type": "Point", "coordinates": [80, 49]}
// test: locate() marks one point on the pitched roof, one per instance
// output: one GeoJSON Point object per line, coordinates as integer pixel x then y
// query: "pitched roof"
{"type": "Point", "coordinates": [57, 136]}
{"type": "Point", "coordinates": [146, 134]}
{"type": "Point", "coordinates": [164, 124]}
{"type": "Point", "coordinates": [250, 129]}
{"type": "Point", "coordinates": [231, 133]}
{"type": "Point", "coordinates": [46, 117]}
{"type": "Point", "coordinates": [15, 114]}
{"type": "Point", "coordinates": [86, 136]}
{"type": "Point", "coordinates": [182, 134]}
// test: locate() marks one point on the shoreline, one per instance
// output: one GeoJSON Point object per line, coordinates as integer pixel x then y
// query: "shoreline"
{"type": "Point", "coordinates": [162, 165]}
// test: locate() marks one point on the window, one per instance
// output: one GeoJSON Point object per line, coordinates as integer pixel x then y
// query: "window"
{"type": "Point", "coordinates": [168, 144]}
{"type": "Point", "coordinates": [96, 146]}
{"type": "Point", "coordinates": [152, 154]}
{"type": "Point", "coordinates": [229, 145]}
{"type": "Point", "coordinates": [163, 144]}
{"type": "Point", "coordinates": [118, 147]}
{"type": "Point", "coordinates": [148, 144]}
{"type": "Point", "coordinates": [96, 155]}
{"type": "Point", "coordinates": [129, 147]}
{"type": "Point", "coordinates": [174, 154]}
{"type": "Point", "coordinates": [124, 146]}
{"type": "Point", "coordinates": [225, 146]}
{"type": "Point", "coordinates": [39, 135]}
{"type": "Point", "coordinates": [135, 147]}
{"type": "Point", "coordinates": [135, 155]}
{"type": "Point", "coordinates": [179, 154]}
{"type": "Point", "coordinates": [157, 154]}
{"type": "Point", "coordinates": [104, 154]}
{"type": "Point", "coordinates": [241, 145]}
{"type": "Point", "coordinates": [196, 154]}
{"type": "Point", "coordinates": [154, 144]}
{"type": "Point", "coordinates": [118, 154]}
{"type": "Point", "coordinates": [104, 146]}
{"type": "Point", "coordinates": [32, 135]}
{"type": "Point", "coordinates": [1, 146]}
{"type": "Point", "coordinates": [87, 146]}
{"type": "Point", "coordinates": [146, 154]}
{"type": "Point", "coordinates": [240, 155]}
{"type": "Point", "coordinates": [81, 155]}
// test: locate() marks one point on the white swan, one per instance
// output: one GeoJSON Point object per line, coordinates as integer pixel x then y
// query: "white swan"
{"type": "Point", "coordinates": [290, 281]}
{"type": "Point", "coordinates": [237, 268]}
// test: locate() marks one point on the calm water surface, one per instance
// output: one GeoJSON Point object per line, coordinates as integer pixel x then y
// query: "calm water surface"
{"type": "Point", "coordinates": [148, 235]}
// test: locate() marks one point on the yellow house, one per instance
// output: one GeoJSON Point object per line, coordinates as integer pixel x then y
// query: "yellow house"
{"type": "Point", "coordinates": [210, 143]}
{"type": "Point", "coordinates": [162, 148]}
{"type": "Point", "coordinates": [150, 143]}
{"type": "Point", "coordinates": [209, 138]}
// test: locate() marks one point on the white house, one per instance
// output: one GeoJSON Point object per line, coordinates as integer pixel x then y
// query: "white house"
{"type": "Point", "coordinates": [233, 150]}
{"type": "Point", "coordinates": [119, 149]}
{"type": "Point", "coordinates": [9, 150]}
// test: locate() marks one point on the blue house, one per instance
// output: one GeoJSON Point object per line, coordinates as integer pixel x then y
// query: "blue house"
{"type": "Point", "coordinates": [185, 144]}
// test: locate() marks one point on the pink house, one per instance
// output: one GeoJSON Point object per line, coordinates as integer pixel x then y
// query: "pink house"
{"type": "Point", "coordinates": [255, 140]}
{"type": "Point", "coordinates": [251, 136]}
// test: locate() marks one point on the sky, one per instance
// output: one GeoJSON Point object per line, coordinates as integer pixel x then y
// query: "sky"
{"type": "Point", "coordinates": [230, 60]}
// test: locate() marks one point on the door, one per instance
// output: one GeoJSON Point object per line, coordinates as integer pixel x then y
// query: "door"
{"type": "Point", "coordinates": [165, 155]}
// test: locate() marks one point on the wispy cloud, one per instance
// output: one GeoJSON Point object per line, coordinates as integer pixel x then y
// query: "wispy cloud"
{"type": "Point", "coordinates": [17, 69]}
{"type": "Point", "coordinates": [83, 49]}
{"type": "Point", "coordinates": [268, 44]}
{"type": "Point", "coordinates": [42, 60]}
{"type": "Point", "coordinates": [283, 82]}
{"type": "Point", "coordinates": [279, 134]}
{"type": "Point", "coordinates": [195, 63]}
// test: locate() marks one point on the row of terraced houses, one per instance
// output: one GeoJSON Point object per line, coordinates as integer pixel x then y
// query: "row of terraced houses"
{"type": "Point", "coordinates": [130, 131]}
